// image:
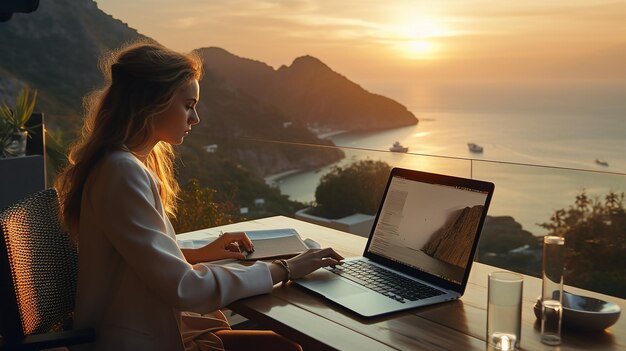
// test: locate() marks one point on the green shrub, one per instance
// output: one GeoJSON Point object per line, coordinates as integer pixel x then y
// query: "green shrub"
{"type": "Point", "coordinates": [595, 241]}
{"type": "Point", "coordinates": [198, 209]}
{"type": "Point", "coordinates": [357, 188]}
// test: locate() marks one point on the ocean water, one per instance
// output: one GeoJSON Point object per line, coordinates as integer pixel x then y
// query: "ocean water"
{"type": "Point", "coordinates": [539, 158]}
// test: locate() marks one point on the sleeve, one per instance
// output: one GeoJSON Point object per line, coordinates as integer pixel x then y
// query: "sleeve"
{"type": "Point", "coordinates": [135, 228]}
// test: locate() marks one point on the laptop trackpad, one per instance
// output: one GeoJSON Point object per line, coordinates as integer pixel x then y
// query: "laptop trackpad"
{"type": "Point", "coordinates": [335, 288]}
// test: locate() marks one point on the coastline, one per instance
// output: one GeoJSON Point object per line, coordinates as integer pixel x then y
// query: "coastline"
{"type": "Point", "coordinates": [274, 179]}
{"type": "Point", "coordinates": [521, 188]}
{"type": "Point", "coordinates": [526, 166]}
{"type": "Point", "coordinates": [328, 135]}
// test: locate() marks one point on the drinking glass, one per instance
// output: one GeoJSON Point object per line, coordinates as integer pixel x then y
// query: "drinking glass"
{"type": "Point", "coordinates": [552, 289]}
{"type": "Point", "coordinates": [504, 310]}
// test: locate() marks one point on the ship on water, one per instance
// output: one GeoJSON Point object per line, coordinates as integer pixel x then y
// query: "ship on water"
{"type": "Point", "coordinates": [475, 147]}
{"type": "Point", "coordinates": [397, 147]}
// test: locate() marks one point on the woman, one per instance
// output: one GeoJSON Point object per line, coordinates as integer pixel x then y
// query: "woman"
{"type": "Point", "coordinates": [116, 195]}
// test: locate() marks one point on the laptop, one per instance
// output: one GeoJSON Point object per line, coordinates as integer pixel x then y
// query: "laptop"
{"type": "Point", "coordinates": [420, 249]}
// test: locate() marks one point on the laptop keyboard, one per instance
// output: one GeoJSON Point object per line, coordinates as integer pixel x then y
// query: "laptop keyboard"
{"type": "Point", "coordinates": [386, 282]}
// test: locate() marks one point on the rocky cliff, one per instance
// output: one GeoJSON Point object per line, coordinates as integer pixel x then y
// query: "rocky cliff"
{"type": "Point", "coordinates": [457, 234]}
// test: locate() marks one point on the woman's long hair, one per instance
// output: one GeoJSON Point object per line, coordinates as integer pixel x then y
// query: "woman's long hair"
{"type": "Point", "coordinates": [141, 79]}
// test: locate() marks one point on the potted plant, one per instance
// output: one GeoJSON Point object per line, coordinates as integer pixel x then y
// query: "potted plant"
{"type": "Point", "coordinates": [13, 129]}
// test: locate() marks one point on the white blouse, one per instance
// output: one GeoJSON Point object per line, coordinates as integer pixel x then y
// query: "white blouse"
{"type": "Point", "coordinates": [133, 280]}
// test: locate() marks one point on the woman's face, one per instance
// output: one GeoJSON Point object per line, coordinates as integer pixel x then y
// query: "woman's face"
{"type": "Point", "coordinates": [174, 123]}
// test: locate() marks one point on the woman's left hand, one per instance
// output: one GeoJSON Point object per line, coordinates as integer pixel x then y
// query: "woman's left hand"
{"type": "Point", "coordinates": [229, 245]}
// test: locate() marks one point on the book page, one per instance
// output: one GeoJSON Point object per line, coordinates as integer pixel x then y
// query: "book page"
{"type": "Point", "coordinates": [268, 243]}
{"type": "Point", "coordinates": [275, 243]}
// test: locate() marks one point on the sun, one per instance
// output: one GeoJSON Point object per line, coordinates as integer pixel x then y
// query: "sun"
{"type": "Point", "coordinates": [418, 39]}
{"type": "Point", "coordinates": [419, 48]}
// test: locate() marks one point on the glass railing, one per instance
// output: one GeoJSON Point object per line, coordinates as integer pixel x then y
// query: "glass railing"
{"type": "Point", "coordinates": [526, 196]}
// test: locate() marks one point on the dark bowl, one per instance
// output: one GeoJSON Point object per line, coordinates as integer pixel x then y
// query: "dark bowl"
{"type": "Point", "coordinates": [585, 313]}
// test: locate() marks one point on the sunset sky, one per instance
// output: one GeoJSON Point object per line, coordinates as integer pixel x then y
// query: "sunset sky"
{"type": "Point", "coordinates": [384, 44]}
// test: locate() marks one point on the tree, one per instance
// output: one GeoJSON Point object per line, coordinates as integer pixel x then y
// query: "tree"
{"type": "Point", "coordinates": [595, 241]}
{"type": "Point", "coordinates": [198, 209]}
{"type": "Point", "coordinates": [356, 188]}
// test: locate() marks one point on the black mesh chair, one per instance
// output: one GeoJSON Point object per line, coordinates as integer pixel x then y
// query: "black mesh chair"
{"type": "Point", "coordinates": [38, 275]}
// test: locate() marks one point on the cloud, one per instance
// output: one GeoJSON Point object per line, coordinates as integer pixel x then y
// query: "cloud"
{"type": "Point", "coordinates": [477, 39]}
{"type": "Point", "coordinates": [183, 23]}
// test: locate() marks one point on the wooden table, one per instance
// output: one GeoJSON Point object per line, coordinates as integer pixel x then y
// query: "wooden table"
{"type": "Point", "coordinates": [460, 325]}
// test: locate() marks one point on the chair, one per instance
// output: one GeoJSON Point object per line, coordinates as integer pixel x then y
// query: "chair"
{"type": "Point", "coordinates": [38, 275]}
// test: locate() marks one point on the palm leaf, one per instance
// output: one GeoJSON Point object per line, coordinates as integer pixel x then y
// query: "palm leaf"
{"type": "Point", "coordinates": [19, 116]}
{"type": "Point", "coordinates": [24, 107]}
{"type": "Point", "coordinates": [6, 114]}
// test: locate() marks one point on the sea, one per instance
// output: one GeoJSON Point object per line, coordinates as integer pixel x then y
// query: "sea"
{"type": "Point", "coordinates": [541, 148]}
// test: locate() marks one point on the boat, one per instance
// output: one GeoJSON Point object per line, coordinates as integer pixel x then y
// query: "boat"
{"type": "Point", "coordinates": [397, 147]}
{"type": "Point", "coordinates": [601, 162]}
{"type": "Point", "coordinates": [475, 147]}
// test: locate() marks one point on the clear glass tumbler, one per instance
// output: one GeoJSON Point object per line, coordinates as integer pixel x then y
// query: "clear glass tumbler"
{"type": "Point", "coordinates": [504, 310]}
{"type": "Point", "coordinates": [552, 289]}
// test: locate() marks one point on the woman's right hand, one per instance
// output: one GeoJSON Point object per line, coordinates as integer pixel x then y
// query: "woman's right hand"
{"type": "Point", "coordinates": [305, 263]}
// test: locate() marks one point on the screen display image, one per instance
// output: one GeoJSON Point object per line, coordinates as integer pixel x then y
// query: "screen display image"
{"type": "Point", "coordinates": [430, 227]}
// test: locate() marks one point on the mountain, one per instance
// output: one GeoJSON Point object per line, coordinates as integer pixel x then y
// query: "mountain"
{"type": "Point", "coordinates": [250, 133]}
{"type": "Point", "coordinates": [310, 92]}
{"type": "Point", "coordinates": [56, 50]}
{"type": "Point", "coordinates": [258, 116]}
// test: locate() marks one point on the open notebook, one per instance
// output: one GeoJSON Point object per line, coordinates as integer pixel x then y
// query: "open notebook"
{"type": "Point", "coordinates": [268, 243]}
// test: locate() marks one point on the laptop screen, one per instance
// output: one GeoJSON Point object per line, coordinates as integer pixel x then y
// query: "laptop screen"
{"type": "Point", "coordinates": [428, 226]}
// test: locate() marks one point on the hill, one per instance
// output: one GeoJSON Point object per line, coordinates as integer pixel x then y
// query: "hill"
{"type": "Point", "coordinates": [55, 50]}
{"type": "Point", "coordinates": [310, 92]}
{"type": "Point", "coordinates": [253, 113]}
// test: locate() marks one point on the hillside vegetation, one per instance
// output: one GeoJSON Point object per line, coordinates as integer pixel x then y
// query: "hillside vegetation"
{"type": "Point", "coordinates": [56, 51]}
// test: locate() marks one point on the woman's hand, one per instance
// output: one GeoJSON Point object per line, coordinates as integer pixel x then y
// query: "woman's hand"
{"type": "Point", "coordinates": [306, 263]}
{"type": "Point", "coordinates": [228, 245]}
{"type": "Point", "coordinates": [311, 260]}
